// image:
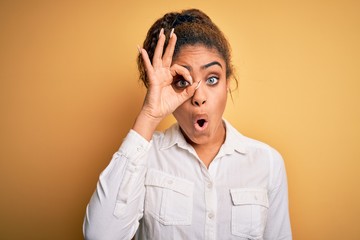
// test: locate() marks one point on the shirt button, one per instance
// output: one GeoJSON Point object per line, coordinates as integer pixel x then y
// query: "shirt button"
{"type": "Point", "coordinates": [170, 182]}
{"type": "Point", "coordinates": [210, 185]}
{"type": "Point", "coordinates": [211, 215]}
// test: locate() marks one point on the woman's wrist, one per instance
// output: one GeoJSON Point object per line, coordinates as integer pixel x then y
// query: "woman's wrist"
{"type": "Point", "coordinates": [145, 125]}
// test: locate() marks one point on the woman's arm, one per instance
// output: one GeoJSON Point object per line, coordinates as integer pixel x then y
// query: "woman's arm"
{"type": "Point", "coordinates": [116, 206]}
{"type": "Point", "coordinates": [278, 221]}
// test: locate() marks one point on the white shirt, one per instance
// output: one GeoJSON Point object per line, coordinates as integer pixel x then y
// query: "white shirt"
{"type": "Point", "coordinates": [162, 190]}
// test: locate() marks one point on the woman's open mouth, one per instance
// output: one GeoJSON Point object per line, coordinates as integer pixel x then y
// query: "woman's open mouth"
{"type": "Point", "coordinates": [200, 123]}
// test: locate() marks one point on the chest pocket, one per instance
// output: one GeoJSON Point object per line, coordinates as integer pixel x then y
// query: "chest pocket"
{"type": "Point", "coordinates": [168, 199]}
{"type": "Point", "coordinates": [249, 212]}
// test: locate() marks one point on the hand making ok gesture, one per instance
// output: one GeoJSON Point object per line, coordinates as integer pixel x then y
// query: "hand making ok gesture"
{"type": "Point", "coordinates": [162, 97]}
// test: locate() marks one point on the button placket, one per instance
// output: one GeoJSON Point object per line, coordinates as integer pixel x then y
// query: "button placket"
{"type": "Point", "coordinates": [211, 208]}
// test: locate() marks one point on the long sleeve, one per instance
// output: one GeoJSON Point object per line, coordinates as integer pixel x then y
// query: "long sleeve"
{"type": "Point", "coordinates": [116, 206]}
{"type": "Point", "coordinates": [278, 221]}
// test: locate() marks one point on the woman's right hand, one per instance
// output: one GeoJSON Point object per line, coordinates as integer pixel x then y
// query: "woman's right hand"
{"type": "Point", "coordinates": [162, 97]}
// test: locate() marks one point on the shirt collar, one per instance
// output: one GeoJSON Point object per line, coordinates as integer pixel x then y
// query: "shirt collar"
{"type": "Point", "coordinates": [234, 140]}
{"type": "Point", "coordinates": [173, 136]}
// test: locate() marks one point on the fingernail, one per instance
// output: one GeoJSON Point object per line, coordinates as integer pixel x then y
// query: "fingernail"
{"type": "Point", "coordinates": [139, 49]}
{"type": "Point", "coordinates": [172, 32]}
{"type": "Point", "coordinates": [199, 83]}
{"type": "Point", "coordinates": [161, 32]}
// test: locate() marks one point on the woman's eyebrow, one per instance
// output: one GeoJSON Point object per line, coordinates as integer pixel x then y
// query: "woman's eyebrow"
{"type": "Point", "coordinates": [204, 66]}
{"type": "Point", "coordinates": [211, 64]}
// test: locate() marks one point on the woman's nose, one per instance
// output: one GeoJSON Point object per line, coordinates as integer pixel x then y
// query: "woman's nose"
{"type": "Point", "coordinates": [199, 97]}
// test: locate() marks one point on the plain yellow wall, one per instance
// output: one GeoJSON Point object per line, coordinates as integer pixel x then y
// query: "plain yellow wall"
{"type": "Point", "coordinates": [69, 93]}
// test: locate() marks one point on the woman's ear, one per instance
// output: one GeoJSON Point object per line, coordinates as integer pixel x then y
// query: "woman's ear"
{"type": "Point", "coordinates": [228, 85]}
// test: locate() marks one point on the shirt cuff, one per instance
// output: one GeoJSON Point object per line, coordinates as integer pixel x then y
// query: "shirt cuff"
{"type": "Point", "coordinates": [134, 145]}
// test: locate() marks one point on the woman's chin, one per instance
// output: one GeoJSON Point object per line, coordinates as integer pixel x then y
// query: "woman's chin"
{"type": "Point", "coordinates": [197, 137]}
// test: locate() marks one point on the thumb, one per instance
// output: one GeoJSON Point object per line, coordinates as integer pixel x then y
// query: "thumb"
{"type": "Point", "coordinates": [189, 91]}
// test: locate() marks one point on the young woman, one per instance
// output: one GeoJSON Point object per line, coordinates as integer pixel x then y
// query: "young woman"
{"type": "Point", "coordinates": [200, 179]}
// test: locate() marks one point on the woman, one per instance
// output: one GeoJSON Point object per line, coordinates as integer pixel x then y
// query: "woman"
{"type": "Point", "coordinates": [200, 179]}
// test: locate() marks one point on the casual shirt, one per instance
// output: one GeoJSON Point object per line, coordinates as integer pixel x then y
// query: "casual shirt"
{"type": "Point", "coordinates": [162, 190]}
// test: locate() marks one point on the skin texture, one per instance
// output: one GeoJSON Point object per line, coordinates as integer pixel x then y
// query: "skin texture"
{"type": "Point", "coordinates": [208, 102]}
{"type": "Point", "coordinates": [192, 87]}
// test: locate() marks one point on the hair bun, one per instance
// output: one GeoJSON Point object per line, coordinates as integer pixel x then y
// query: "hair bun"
{"type": "Point", "coordinates": [190, 16]}
{"type": "Point", "coordinates": [192, 26]}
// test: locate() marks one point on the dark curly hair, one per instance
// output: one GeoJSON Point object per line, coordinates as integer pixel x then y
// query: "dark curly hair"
{"type": "Point", "coordinates": [192, 27]}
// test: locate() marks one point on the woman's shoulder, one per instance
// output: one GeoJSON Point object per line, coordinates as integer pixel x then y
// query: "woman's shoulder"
{"type": "Point", "coordinates": [168, 137]}
{"type": "Point", "coordinates": [248, 143]}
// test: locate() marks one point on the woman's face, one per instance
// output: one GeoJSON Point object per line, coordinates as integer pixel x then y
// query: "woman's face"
{"type": "Point", "coordinates": [200, 117]}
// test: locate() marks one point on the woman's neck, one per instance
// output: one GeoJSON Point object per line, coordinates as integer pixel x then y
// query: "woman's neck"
{"type": "Point", "coordinates": [208, 151]}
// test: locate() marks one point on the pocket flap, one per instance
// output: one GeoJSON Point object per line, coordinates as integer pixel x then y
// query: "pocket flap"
{"type": "Point", "coordinates": [244, 196]}
{"type": "Point", "coordinates": [163, 180]}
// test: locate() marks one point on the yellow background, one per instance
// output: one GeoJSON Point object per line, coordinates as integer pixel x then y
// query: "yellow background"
{"type": "Point", "coordinates": [69, 92]}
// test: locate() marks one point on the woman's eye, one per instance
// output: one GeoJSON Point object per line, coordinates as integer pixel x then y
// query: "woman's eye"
{"type": "Point", "coordinates": [181, 84]}
{"type": "Point", "coordinates": [212, 80]}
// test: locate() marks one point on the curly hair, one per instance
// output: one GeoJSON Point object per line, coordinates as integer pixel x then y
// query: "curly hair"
{"type": "Point", "coordinates": [192, 27]}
